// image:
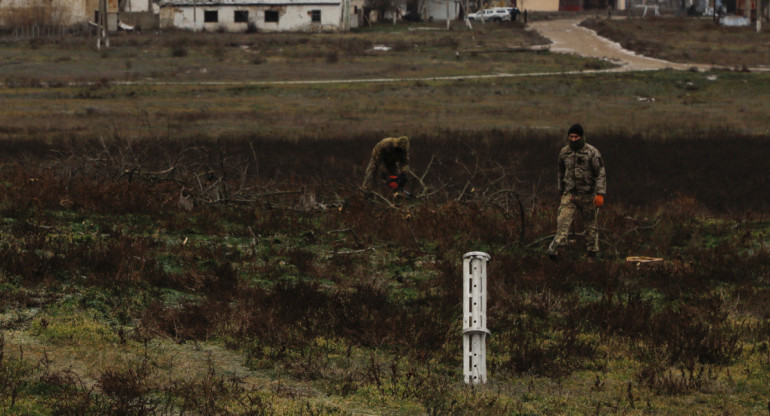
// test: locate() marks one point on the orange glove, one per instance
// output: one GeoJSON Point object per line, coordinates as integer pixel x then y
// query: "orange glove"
{"type": "Point", "coordinates": [393, 182]}
{"type": "Point", "coordinates": [598, 200]}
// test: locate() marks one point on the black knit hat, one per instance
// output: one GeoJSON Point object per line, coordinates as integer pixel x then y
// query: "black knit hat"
{"type": "Point", "coordinates": [576, 129]}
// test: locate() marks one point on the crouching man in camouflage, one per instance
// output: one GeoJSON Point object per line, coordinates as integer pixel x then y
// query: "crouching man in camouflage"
{"type": "Point", "coordinates": [390, 163]}
{"type": "Point", "coordinates": [582, 184]}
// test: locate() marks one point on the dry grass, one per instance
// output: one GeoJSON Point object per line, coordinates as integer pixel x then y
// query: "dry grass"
{"type": "Point", "coordinates": [689, 40]}
{"type": "Point", "coordinates": [116, 296]}
{"type": "Point", "coordinates": [646, 103]}
{"type": "Point", "coordinates": [183, 96]}
{"type": "Point", "coordinates": [146, 228]}
{"type": "Point", "coordinates": [217, 57]}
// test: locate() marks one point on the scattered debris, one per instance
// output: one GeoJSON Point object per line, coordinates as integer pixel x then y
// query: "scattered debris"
{"type": "Point", "coordinates": [126, 27]}
{"type": "Point", "coordinates": [734, 21]}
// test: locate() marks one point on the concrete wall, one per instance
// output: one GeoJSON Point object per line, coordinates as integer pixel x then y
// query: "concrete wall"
{"type": "Point", "coordinates": [356, 13]}
{"type": "Point", "coordinates": [290, 17]}
{"type": "Point", "coordinates": [437, 9]}
{"type": "Point", "coordinates": [65, 12]}
{"type": "Point", "coordinates": [140, 6]}
{"type": "Point", "coordinates": [539, 5]}
{"type": "Point", "coordinates": [140, 20]}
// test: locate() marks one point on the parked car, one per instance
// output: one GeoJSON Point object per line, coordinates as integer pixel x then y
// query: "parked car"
{"type": "Point", "coordinates": [476, 16]}
{"type": "Point", "coordinates": [494, 14]}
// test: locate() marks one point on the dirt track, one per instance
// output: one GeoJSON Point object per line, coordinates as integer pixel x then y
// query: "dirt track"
{"type": "Point", "coordinates": [568, 37]}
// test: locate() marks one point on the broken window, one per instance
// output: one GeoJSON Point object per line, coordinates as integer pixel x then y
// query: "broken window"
{"type": "Point", "coordinates": [241, 16]}
{"type": "Point", "coordinates": [271, 16]}
{"type": "Point", "coordinates": [210, 16]}
{"type": "Point", "coordinates": [315, 16]}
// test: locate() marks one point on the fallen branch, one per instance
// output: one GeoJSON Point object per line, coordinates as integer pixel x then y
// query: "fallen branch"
{"type": "Point", "coordinates": [343, 253]}
{"type": "Point", "coordinates": [382, 198]}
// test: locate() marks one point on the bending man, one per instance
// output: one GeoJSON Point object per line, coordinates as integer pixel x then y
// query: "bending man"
{"type": "Point", "coordinates": [390, 162]}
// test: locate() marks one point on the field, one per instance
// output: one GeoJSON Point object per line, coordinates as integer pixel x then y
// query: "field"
{"type": "Point", "coordinates": [697, 40]}
{"type": "Point", "coordinates": [182, 233]}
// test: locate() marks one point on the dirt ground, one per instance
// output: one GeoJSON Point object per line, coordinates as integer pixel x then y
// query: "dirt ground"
{"type": "Point", "coordinates": [568, 37]}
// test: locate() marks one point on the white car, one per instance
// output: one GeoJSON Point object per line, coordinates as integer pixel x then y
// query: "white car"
{"type": "Point", "coordinates": [495, 14]}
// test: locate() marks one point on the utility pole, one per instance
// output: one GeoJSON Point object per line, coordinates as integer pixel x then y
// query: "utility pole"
{"type": "Point", "coordinates": [447, 14]}
{"type": "Point", "coordinates": [346, 15]}
{"type": "Point", "coordinates": [759, 16]}
{"type": "Point", "coordinates": [102, 26]}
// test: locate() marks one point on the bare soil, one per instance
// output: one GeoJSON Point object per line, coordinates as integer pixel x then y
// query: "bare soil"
{"type": "Point", "coordinates": [568, 36]}
{"type": "Point", "coordinates": [689, 41]}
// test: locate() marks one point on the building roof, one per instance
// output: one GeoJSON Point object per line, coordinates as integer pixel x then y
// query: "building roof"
{"type": "Point", "coordinates": [214, 3]}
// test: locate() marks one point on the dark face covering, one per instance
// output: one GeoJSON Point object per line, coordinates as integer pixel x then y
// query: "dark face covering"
{"type": "Point", "coordinates": [577, 144]}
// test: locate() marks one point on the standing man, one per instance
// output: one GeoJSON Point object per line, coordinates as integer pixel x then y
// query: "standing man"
{"type": "Point", "coordinates": [582, 184]}
{"type": "Point", "coordinates": [389, 161]}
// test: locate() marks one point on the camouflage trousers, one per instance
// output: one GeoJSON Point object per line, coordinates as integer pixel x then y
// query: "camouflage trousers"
{"type": "Point", "coordinates": [571, 205]}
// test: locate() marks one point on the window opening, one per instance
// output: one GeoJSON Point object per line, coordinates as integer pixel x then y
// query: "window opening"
{"type": "Point", "coordinates": [210, 16]}
{"type": "Point", "coordinates": [271, 16]}
{"type": "Point", "coordinates": [241, 16]}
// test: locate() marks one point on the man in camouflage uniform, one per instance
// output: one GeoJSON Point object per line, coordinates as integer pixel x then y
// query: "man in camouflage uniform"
{"type": "Point", "coordinates": [582, 184]}
{"type": "Point", "coordinates": [389, 161]}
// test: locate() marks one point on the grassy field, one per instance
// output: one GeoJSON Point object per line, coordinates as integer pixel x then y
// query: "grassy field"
{"type": "Point", "coordinates": [173, 245]}
{"type": "Point", "coordinates": [176, 85]}
{"type": "Point", "coordinates": [686, 40]}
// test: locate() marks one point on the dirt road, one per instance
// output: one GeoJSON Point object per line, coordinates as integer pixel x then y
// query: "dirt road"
{"type": "Point", "coordinates": [568, 37]}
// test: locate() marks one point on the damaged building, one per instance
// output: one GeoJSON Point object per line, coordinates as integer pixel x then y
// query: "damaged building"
{"type": "Point", "coordinates": [46, 12]}
{"type": "Point", "coordinates": [254, 15]}
{"type": "Point", "coordinates": [120, 13]}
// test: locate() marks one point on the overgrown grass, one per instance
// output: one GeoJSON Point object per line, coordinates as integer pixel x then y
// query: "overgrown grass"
{"type": "Point", "coordinates": [250, 275]}
{"type": "Point", "coordinates": [659, 104]}
{"type": "Point", "coordinates": [224, 85]}
{"type": "Point", "coordinates": [219, 57]}
{"type": "Point", "coordinates": [689, 40]}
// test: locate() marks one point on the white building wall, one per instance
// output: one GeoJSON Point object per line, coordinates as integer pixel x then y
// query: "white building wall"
{"type": "Point", "coordinates": [290, 18]}
{"type": "Point", "coordinates": [539, 5]}
{"type": "Point", "coordinates": [356, 13]}
{"type": "Point", "coordinates": [552, 5]}
{"type": "Point", "coordinates": [437, 9]}
{"type": "Point", "coordinates": [141, 6]}
{"type": "Point", "coordinates": [67, 12]}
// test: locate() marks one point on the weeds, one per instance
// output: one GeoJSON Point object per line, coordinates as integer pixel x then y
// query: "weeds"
{"type": "Point", "coordinates": [13, 377]}
{"type": "Point", "coordinates": [655, 30]}
{"type": "Point", "coordinates": [308, 278]}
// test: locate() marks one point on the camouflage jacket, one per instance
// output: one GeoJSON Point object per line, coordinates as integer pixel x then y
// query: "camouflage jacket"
{"type": "Point", "coordinates": [581, 171]}
{"type": "Point", "coordinates": [390, 156]}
